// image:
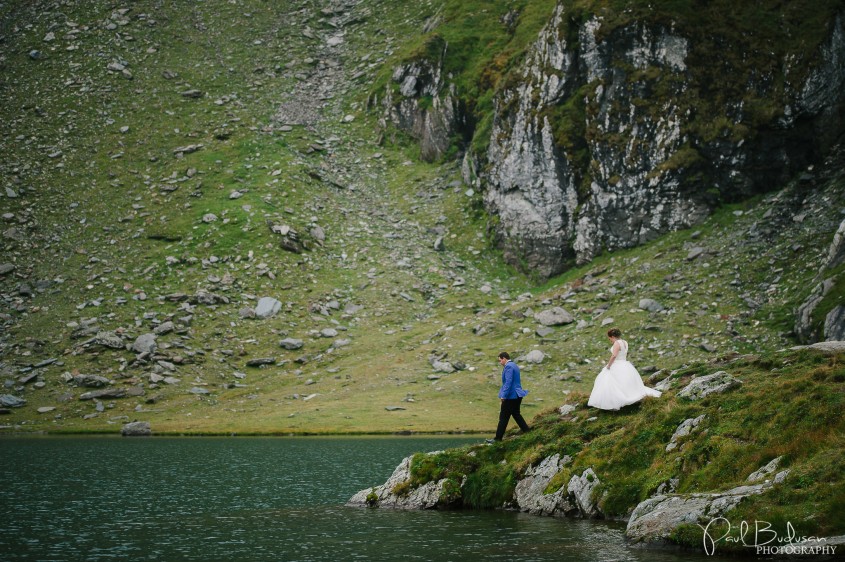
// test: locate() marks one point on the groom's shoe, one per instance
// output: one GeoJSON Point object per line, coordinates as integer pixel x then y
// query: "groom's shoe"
{"type": "Point", "coordinates": [489, 441]}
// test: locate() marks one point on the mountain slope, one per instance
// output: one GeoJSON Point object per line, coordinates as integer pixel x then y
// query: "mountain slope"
{"type": "Point", "coordinates": [165, 167]}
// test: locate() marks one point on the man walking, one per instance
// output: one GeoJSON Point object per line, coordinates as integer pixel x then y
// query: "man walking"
{"type": "Point", "coordinates": [510, 396]}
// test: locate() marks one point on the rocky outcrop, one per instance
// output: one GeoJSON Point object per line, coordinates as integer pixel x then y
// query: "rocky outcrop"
{"type": "Point", "coordinates": [684, 429]}
{"type": "Point", "coordinates": [654, 519]}
{"type": "Point", "coordinates": [701, 387]}
{"type": "Point", "coordinates": [530, 491]}
{"type": "Point", "coordinates": [576, 499]}
{"type": "Point", "coordinates": [422, 103]}
{"type": "Point", "coordinates": [807, 327]}
{"type": "Point", "coordinates": [598, 141]}
{"type": "Point", "coordinates": [426, 496]}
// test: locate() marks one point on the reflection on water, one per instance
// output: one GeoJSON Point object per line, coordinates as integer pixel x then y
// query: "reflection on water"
{"type": "Point", "coordinates": [256, 499]}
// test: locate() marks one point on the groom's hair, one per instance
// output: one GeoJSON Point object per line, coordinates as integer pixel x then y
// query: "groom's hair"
{"type": "Point", "coordinates": [505, 355]}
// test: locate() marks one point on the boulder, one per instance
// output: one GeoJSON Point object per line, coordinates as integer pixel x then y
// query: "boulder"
{"type": "Point", "coordinates": [145, 343]}
{"type": "Point", "coordinates": [267, 307]}
{"type": "Point", "coordinates": [534, 356]}
{"type": "Point", "coordinates": [94, 381]}
{"type": "Point", "coordinates": [554, 317]}
{"type": "Point", "coordinates": [109, 339]}
{"type": "Point", "coordinates": [136, 429]}
{"type": "Point", "coordinates": [650, 305]}
{"type": "Point", "coordinates": [701, 387]}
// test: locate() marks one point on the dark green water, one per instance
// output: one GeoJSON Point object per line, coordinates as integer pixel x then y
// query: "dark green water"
{"type": "Point", "coordinates": [280, 499]}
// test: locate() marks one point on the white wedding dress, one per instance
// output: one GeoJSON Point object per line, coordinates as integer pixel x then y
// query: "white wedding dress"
{"type": "Point", "coordinates": [620, 385]}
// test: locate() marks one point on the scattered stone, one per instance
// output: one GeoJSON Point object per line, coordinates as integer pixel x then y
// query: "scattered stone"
{"type": "Point", "coordinates": [291, 343]}
{"type": "Point", "coordinates": [6, 268]}
{"type": "Point", "coordinates": [393, 408]}
{"type": "Point", "coordinates": [45, 409]}
{"type": "Point", "coordinates": [328, 333]}
{"type": "Point", "coordinates": [193, 93]}
{"type": "Point", "coordinates": [199, 390]}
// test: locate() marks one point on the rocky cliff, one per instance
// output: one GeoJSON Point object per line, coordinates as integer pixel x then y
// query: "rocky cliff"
{"type": "Point", "coordinates": [610, 132]}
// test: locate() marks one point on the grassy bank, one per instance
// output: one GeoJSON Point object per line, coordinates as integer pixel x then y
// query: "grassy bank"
{"type": "Point", "coordinates": [789, 405]}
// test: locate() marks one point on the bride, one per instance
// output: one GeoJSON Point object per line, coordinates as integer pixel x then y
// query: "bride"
{"type": "Point", "coordinates": [618, 384]}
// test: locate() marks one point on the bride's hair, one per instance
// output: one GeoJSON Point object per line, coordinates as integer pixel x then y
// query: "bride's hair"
{"type": "Point", "coordinates": [614, 333]}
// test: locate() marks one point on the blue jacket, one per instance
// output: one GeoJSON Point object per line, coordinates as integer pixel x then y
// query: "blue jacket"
{"type": "Point", "coordinates": [511, 385]}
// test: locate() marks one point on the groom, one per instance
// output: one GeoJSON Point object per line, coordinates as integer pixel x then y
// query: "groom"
{"type": "Point", "coordinates": [510, 395]}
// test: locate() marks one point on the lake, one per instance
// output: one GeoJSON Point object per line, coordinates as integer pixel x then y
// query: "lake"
{"type": "Point", "coordinates": [261, 498]}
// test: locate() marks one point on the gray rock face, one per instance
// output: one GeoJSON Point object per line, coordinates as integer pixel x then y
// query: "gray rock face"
{"type": "Point", "coordinates": [700, 387]}
{"type": "Point", "coordinates": [424, 497]}
{"type": "Point", "coordinates": [581, 488]}
{"type": "Point", "coordinates": [554, 317]}
{"type": "Point", "coordinates": [529, 491]}
{"type": "Point", "coordinates": [9, 401]}
{"type": "Point", "coordinates": [267, 307]}
{"type": "Point", "coordinates": [684, 429]}
{"type": "Point", "coordinates": [136, 429]}
{"type": "Point", "coordinates": [432, 123]}
{"type": "Point", "coordinates": [566, 195]}
{"type": "Point", "coordinates": [834, 324]}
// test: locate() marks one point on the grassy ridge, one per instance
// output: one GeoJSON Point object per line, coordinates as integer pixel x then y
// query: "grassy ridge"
{"type": "Point", "coordinates": [788, 405]}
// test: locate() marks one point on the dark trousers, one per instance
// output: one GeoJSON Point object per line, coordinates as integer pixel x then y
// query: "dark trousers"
{"type": "Point", "coordinates": [510, 407]}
